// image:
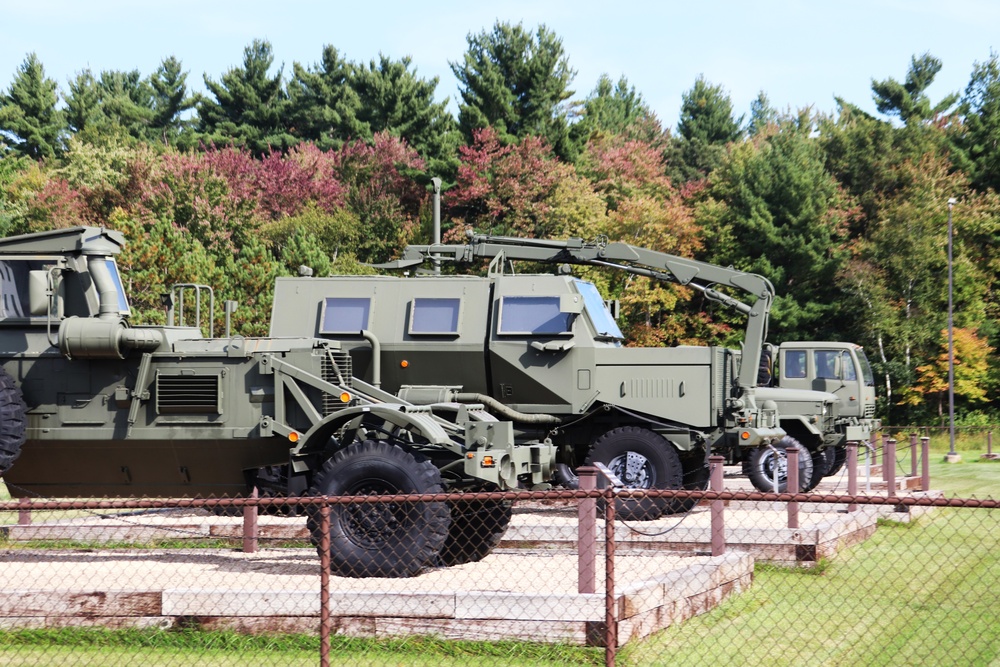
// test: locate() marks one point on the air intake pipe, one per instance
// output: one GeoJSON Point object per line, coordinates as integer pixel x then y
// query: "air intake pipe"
{"type": "Point", "coordinates": [89, 338]}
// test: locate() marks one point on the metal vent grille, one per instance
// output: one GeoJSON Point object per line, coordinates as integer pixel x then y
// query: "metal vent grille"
{"type": "Point", "coordinates": [869, 411]}
{"type": "Point", "coordinates": [183, 394]}
{"type": "Point", "coordinates": [336, 369]}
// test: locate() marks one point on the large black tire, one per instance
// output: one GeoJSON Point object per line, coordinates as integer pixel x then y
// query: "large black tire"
{"type": "Point", "coordinates": [760, 467]}
{"type": "Point", "coordinates": [12, 421]}
{"type": "Point", "coordinates": [641, 459]}
{"type": "Point", "coordinates": [380, 539]}
{"type": "Point", "coordinates": [839, 459]}
{"type": "Point", "coordinates": [822, 464]}
{"type": "Point", "coordinates": [696, 478]}
{"type": "Point", "coordinates": [477, 526]}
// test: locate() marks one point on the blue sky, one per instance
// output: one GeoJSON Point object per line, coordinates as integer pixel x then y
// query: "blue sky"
{"type": "Point", "coordinates": [799, 53]}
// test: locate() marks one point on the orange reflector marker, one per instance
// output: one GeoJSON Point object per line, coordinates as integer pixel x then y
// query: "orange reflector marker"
{"type": "Point", "coordinates": [404, 363]}
{"type": "Point", "coordinates": [470, 455]}
{"type": "Point", "coordinates": [293, 437]}
{"type": "Point", "coordinates": [345, 397]}
{"type": "Point", "coordinates": [487, 462]}
{"type": "Point", "coordinates": [745, 435]}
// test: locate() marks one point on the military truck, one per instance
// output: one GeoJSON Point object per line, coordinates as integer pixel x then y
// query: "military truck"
{"type": "Point", "coordinates": [91, 405]}
{"type": "Point", "coordinates": [790, 373]}
{"type": "Point", "coordinates": [544, 352]}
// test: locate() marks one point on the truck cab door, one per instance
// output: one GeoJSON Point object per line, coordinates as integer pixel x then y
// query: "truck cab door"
{"type": "Point", "coordinates": [541, 353]}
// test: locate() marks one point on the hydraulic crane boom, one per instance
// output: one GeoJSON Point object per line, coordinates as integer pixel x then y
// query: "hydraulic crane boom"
{"type": "Point", "coordinates": [697, 275]}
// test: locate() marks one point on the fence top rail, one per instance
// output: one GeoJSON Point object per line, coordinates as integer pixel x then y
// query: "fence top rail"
{"type": "Point", "coordinates": [189, 503]}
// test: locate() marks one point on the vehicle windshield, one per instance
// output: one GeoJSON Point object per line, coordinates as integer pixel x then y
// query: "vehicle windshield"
{"type": "Point", "coordinates": [600, 316]}
{"type": "Point", "coordinates": [866, 369]}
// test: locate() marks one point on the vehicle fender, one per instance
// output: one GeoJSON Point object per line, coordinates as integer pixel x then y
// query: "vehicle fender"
{"type": "Point", "coordinates": [799, 425]}
{"type": "Point", "coordinates": [417, 419]}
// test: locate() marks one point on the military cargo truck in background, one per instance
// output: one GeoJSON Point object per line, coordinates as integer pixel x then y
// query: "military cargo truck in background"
{"type": "Point", "coordinates": [93, 406]}
{"type": "Point", "coordinates": [796, 375]}
{"type": "Point", "coordinates": [544, 352]}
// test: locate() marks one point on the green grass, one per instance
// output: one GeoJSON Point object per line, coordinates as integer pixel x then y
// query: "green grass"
{"type": "Point", "coordinates": [157, 648]}
{"type": "Point", "coordinates": [920, 592]}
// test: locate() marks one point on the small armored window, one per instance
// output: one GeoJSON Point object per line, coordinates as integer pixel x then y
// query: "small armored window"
{"type": "Point", "coordinates": [533, 315]}
{"type": "Point", "coordinates": [13, 289]}
{"type": "Point", "coordinates": [343, 315]}
{"type": "Point", "coordinates": [795, 364]}
{"type": "Point", "coordinates": [435, 316]}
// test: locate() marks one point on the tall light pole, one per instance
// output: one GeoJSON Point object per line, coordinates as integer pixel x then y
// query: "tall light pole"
{"type": "Point", "coordinates": [951, 341]}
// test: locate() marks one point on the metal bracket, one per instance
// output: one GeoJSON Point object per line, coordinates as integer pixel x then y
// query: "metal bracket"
{"type": "Point", "coordinates": [608, 475]}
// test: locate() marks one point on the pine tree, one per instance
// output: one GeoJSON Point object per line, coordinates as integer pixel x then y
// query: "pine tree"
{"type": "Point", "coordinates": [517, 83]}
{"type": "Point", "coordinates": [616, 108]}
{"type": "Point", "coordinates": [249, 106]}
{"type": "Point", "coordinates": [395, 100]}
{"type": "Point", "coordinates": [83, 104]}
{"type": "Point", "coordinates": [979, 138]}
{"type": "Point", "coordinates": [706, 125]}
{"type": "Point", "coordinates": [170, 100]}
{"type": "Point", "coordinates": [909, 100]}
{"type": "Point", "coordinates": [322, 105]}
{"type": "Point", "coordinates": [28, 115]}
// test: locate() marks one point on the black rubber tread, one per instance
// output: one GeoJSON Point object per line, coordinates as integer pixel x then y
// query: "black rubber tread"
{"type": "Point", "coordinates": [839, 459]}
{"type": "Point", "coordinates": [665, 468]}
{"type": "Point", "coordinates": [380, 539]}
{"type": "Point", "coordinates": [697, 475]}
{"type": "Point", "coordinates": [477, 526]}
{"type": "Point", "coordinates": [822, 461]}
{"type": "Point", "coordinates": [761, 461]}
{"type": "Point", "coordinates": [13, 421]}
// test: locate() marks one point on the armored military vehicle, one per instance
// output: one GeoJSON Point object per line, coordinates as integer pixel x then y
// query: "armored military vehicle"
{"type": "Point", "coordinates": [91, 405]}
{"type": "Point", "coordinates": [544, 352]}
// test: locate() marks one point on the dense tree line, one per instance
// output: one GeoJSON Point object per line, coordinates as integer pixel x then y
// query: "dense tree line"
{"type": "Point", "coordinates": [328, 164]}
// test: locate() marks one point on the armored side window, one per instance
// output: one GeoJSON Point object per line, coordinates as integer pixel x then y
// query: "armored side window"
{"type": "Point", "coordinates": [435, 316]}
{"type": "Point", "coordinates": [795, 364]}
{"type": "Point", "coordinates": [533, 315]}
{"type": "Point", "coordinates": [14, 289]}
{"type": "Point", "coordinates": [342, 315]}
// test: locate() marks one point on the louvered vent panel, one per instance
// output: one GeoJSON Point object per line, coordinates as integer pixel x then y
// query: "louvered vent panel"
{"type": "Point", "coordinates": [183, 394]}
{"type": "Point", "coordinates": [337, 369]}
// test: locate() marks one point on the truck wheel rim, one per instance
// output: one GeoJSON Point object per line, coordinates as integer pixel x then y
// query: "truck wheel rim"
{"type": "Point", "coordinates": [371, 525]}
{"type": "Point", "coordinates": [633, 469]}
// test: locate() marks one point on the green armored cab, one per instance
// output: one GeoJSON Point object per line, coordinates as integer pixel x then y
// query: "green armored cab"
{"type": "Point", "coordinates": [544, 352]}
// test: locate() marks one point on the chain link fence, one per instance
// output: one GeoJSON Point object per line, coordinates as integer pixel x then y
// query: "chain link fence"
{"type": "Point", "coordinates": [873, 567]}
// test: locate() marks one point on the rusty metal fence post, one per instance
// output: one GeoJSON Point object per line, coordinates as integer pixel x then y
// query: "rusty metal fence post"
{"type": "Point", "coordinates": [715, 464]}
{"type": "Point", "coordinates": [925, 463]}
{"type": "Point", "coordinates": [587, 533]}
{"type": "Point", "coordinates": [24, 512]}
{"type": "Point", "coordinates": [325, 625]}
{"type": "Point", "coordinates": [889, 466]}
{"type": "Point", "coordinates": [250, 525]}
{"type": "Point", "coordinates": [792, 486]}
{"type": "Point", "coordinates": [852, 474]}
{"type": "Point", "coordinates": [610, 603]}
